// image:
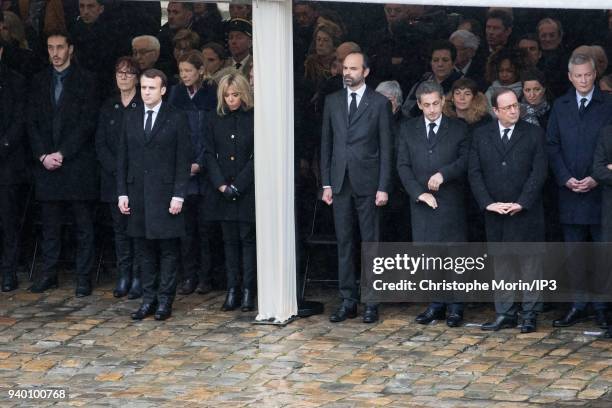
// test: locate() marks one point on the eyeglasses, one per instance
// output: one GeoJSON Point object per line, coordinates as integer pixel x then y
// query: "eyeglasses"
{"type": "Point", "coordinates": [509, 107]}
{"type": "Point", "coordinates": [136, 53]}
{"type": "Point", "coordinates": [125, 74]}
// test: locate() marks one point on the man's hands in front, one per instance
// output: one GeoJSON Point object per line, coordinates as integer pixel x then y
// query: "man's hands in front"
{"type": "Point", "coordinates": [52, 161]}
{"type": "Point", "coordinates": [504, 208]}
{"type": "Point", "coordinates": [581, 186]}
{"type": "Point", "coordinates": [175, 206]}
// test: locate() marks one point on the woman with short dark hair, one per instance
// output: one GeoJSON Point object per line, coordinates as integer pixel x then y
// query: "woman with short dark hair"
{"type": "Point", "coordinates": [107, 143]}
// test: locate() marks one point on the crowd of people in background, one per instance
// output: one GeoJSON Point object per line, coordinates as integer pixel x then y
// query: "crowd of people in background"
{"type": "Point", "coordinates": [70, 73]}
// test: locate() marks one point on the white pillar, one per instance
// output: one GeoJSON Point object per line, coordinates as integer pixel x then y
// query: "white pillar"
{"type": "Point", "coordinates": [274, 183]}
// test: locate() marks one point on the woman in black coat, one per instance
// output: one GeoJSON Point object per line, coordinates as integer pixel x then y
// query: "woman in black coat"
{"type": "Point", "coordinates": [228, 156]}
{"type": "Point", "coordinates": [197, 98]}
{"type": "Point", "coordinates": [107, 144]}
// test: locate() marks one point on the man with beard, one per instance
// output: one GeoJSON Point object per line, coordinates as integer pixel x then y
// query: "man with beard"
{"type": "Point", "coordinates": [356, 163]}
{"type": "Point", "coordinates": [63, 108]}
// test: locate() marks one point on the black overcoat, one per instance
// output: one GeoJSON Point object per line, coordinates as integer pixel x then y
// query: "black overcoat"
{"type": "Point", "coordinates": [515, 174]}
{"type": "Point", "coordinates": [68, 127]}
{"type": "Point", "coordinates": [418, 159]}
{"type": "Point", "coordinates": [12, 127]}
{"type": "Point", "coordinates": [108, 135]}
{"type": "Point", "coordinates": [228, 157]}
{"type": "Point", "coordinates": [601, 173]}
{"type": "Point", "coordinates": [151, 172]}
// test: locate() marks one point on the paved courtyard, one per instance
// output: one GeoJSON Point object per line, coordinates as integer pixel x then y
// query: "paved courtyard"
{"type": "Point", "coordinates": [204, 357]}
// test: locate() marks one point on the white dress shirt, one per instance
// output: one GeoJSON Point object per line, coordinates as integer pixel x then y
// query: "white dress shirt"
{"type": "Point", "coordinates": [501, 130]}
{"type": "Point", "coordinates": [358, 97]}
{"type": "Point", "coordinates": [437, 122]}
{"type": "Point", "coordinates": [588, 97]}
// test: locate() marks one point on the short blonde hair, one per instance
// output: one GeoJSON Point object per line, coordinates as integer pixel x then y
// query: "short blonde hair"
{"type": "Point", "coordinates": [241, 85]}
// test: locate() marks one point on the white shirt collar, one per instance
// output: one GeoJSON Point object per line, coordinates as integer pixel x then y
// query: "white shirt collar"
{"type": "Point", "coordinates": [360, 91]}
{"type": "Point", "coordinates": [588, 96]}
{"type": "Point", "coordinates": [502, 127]}
{"type": "Point", "coordinates": [155, 109]}
{"type": "Point", "coordinates": [242, 63]}
{"type": "Point", "coordinates": [437, 122]}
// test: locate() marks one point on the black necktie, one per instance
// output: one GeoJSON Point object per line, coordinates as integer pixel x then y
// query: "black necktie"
{"type": "Point", "coordinates": [149, 124]}
{"type": "Point", "coordinates": [59, 85]}
{"type": "Point", "coordinates": [582, 108]}
{"type": "Point", "coordinates": [353, 107]}
{"type": "Point", "coordinates": [237, 65]}
{"type": "Point", "coordinates": [505, 137]}
{"type": "Point", "coordinates": [431, 134]}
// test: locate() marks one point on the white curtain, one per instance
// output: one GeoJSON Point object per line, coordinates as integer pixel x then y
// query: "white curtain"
{"type": "Point", "coordinates": [274, 183]}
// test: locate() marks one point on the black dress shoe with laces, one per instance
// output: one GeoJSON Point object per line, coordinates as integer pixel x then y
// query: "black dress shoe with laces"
{"type": "Point", "coordinates": [571, 318]}
{"type": "Point", "coordinates": [345, 311]}
{"type": "Point", "coordinates": [500, 322]}
{"type": "Point", "coordinates": [232, 300]}
{"type": "Point", "coordinates": [83, 288]}
{"type": "Point", "coordinates": [248, 300]}
{"type": "Point", "coordinates": [145, 309]}
{"type": "Point", "coordinates": [123, 286]}
{"type": "Point", "coordinates": [454, 320]}
{"type": "Point", "coordinates": [164, 311]}
{"type": "Point", "coordinates": [429, 315]}
{"type": "Point", "coordinates": [370, 314]}
{"type": "Point", "coordinates": [44, 284]}
{"type": "Point", "coordinates": [601, 319]}
{"type": "Point", "coordinates": [528, 326]}
{"type": "Point", "coordinates": [188, 286]}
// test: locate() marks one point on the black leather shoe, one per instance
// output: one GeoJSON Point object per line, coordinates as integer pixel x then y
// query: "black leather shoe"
{"type": "Point", "coordinates": [164, 310]}
{"type": "Point", "coordinates": [370, 315]}
{"type": "Point", "coordinates": [232, 300]}
{"type": "Point", "coordinates": [601, 319]}
{"type": "Point", "coordinates": [571, 318]}
{"type": "Point", "coordinates": [9, 283]}
{"type": "Point", "coordinates": [429, 315]}
{"type": "Point", "coordinates": [136, 289]}
{"type": "Point", "coordinates": [501, 322]}
{"type": "Point", "coordinates": [123, 286]}
{"type": "Point", "coordinates": [145, 309]}
{"type": "Point", "coordinates": [248, 300]}
{"type": "Point", "coordinates": [345, 311]}
{"type": "Point", "coordinates": [188, 286]}
{"type": "Point", "coordinates": [83, 288]}
{"type": "Point", "coordinates": [454, 320]}
{"type": "Point", "coordinates": [529, 326]}
{"type": "Point", "coordinates": [45, 283]}
{"type": "Point", "coordinates": [203, 288]}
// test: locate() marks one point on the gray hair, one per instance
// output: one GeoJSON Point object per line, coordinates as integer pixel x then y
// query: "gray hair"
{"type": "Point", "coordinates": [548, 20]}
{"type": "Point", "coordinates": [393, 89]}
{"type": "Point", "coordinates": [580, 59]}
{"type": "Point", "coordinates": [429, 87]}
{"type": "Point", "coordinates": [153, 41]}
{"type": "Point", "coordinates": [470, 40]}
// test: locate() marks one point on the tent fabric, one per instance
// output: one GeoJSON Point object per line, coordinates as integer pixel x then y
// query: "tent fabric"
{"type": "Point", "coordinates": [274, 182]}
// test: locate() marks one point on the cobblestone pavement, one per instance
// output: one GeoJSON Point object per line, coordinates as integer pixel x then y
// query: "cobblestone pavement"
{"type": "Point", "coordinates": [205, 357]}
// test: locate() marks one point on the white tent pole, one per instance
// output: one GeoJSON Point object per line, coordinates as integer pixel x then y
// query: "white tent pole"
{"type": "Point", "coordinates": [274, 182]}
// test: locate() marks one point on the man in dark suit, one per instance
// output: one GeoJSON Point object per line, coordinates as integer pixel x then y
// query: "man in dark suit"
{"type": "Point", "coordinates": [574, 124]}
{"type": "Point", "coordinates": [62, 115]}
{"type": "Point", "coordinates": [356, 163]}
{"type": "Point", "coordinates": [153, 169]}
{"type": "Point", "coordinates": [12, 167]}
{"type": "Point", "coordinates": [507, 170]}
{"type": "Point", "coordinates": [432, 164]}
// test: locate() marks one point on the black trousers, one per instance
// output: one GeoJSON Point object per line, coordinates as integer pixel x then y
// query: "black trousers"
{"type": "Point", "coordinates": [51, 245]}
{"type": "Point", "coordinates": [124, 249]}
{"type": "Point", "coordinates": [9, 220]}
{"type": "Point", "coordinates": [346, 204]}
{"type": "Point", "coordinates": [240, 253]}
{"type": "Point", "coordinates": [512, 268]}
{"type": "Point", "coordinates": [147, 251]}
{"type": "Point", "coordinates": [195, 259]}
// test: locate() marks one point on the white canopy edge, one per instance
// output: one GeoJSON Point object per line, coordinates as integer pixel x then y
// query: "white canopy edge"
{"type": "Point", "coordinates": [552, 4]}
